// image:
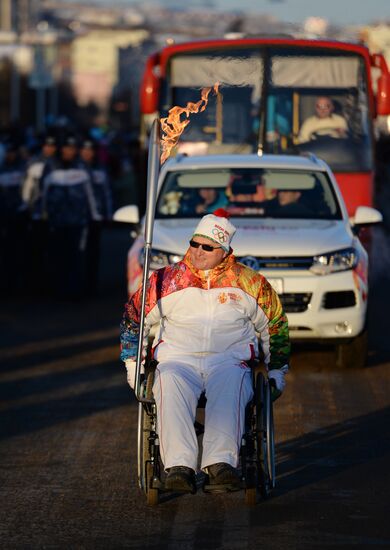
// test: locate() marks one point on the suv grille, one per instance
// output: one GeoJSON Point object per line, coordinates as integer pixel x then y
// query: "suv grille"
{"type": "Point", "coordinates": [276, 262]}
{"type": "Point", "coordinates": [295, 302]}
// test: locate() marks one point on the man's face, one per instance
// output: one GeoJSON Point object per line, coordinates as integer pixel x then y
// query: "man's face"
{"type": "Point", "coordinates": [288, 197]}
{"type": "Point", "coordinates": [324, 107]}
{"type": "Point", "coordinates": [208, 195]}
{"type": "Point", "coordinates": [201, 259]}
{"type": "Point", "coordinates": [48, 149]}
{"type": "Point", "coordinates": [68, 152]}
{"type": "Point", "coordinates": [87, 154]}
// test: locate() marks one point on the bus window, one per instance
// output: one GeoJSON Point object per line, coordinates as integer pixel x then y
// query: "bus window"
{"type": "Point", "coordinates": [279, 120]}
{"type": "Point", "coordinates": [230, 122]}
{"type": "Point", "coordinates": [300, 85]}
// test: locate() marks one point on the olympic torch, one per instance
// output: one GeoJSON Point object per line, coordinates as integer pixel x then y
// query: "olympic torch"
{"type": "Point", "coordinates": [151, 196]}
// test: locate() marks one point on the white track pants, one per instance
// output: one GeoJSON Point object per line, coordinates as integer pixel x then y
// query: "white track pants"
{"type": "Point", "coordinates": [177, 387]}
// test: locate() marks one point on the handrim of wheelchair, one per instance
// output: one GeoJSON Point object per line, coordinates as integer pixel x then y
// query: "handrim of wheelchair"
{"type": "Point", "coordinates": [257, 453]}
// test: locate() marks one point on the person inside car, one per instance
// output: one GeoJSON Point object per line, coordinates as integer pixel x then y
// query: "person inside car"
{"type": "Point", "coordinates": [210, 310]}
{"type": "Point", "coordinates": [325, 122]}
{"type": "Point", "coordinates": [288, 203]}
{"type": "Point", "coordinates": [209, 199]}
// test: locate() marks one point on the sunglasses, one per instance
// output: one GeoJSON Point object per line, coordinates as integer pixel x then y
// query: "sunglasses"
{"type": "Point", "coordinates": [205, 247]}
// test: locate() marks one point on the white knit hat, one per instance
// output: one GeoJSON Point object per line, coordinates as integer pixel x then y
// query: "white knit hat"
{"type": "Point", "coordinates": [217, 228]}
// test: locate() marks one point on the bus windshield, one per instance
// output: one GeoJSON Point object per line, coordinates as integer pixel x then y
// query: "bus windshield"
{"type": "Point", "coordinates": [277, 99]}
{"type": "Point", "coordinates": [229, 124]}
{"type": "Point", "coordinates": [319, 103]}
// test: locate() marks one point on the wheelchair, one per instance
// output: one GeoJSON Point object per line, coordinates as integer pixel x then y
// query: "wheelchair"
{"type": "Point", "coordinates": [257, 453]}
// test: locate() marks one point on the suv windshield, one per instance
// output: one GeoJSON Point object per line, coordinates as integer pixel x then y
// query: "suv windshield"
{"type": "Point", "coordinates": [248, 192]}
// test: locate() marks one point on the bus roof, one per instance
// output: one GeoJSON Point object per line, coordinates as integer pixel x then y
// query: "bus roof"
{"type": "Point", "coordinates": [204, 45]}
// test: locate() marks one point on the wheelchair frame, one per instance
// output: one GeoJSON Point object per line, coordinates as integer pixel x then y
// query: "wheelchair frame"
{"type": "Point", "coordinates": [257, 453]}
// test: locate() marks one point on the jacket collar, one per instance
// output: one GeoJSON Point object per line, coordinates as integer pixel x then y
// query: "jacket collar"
{"type": "Point", "coordinates": [212, 273]}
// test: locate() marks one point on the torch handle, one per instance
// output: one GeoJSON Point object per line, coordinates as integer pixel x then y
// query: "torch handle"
{"type": "Point", "coordinates": [152, 183]}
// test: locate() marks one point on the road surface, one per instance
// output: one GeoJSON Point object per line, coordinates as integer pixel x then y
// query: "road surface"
{"type": "Point", "coordinates": [68, 440]}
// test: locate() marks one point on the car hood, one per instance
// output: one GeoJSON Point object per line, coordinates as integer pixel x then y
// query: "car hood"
{"type": "Point", "coordinates": [262, 237]}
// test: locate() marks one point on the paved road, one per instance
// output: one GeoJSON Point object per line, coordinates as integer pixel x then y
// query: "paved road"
{"type": "Point", "coordinates": [67, 439]}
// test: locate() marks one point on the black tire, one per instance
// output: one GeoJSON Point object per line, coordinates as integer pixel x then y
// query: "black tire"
{"type": "Point", "coordinates": [270, 438]}
{"type": "Point", "coordinates": [140, 447]}
{"type": "Point", "coordinates": [144, 428]}
{"type": "Point", "coordinates": [353, 354]}
{"type": "Point", "coordinates": [152, 494]}
{"type": "Point", "coordinates": [264, 437]}
{"type": "Point", "coordinates": [145, 464]}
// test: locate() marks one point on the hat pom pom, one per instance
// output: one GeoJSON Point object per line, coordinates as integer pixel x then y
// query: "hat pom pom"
{"type": "Point", "coordinates": [221, 213]}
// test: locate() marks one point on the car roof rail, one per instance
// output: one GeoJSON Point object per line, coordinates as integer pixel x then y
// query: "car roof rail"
{"type": "Point", "coordinates": [310, 156]}
{"type": "Point", "coordinates": [180, 156]}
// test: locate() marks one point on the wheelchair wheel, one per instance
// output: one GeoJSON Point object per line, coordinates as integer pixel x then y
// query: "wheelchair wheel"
{"type": "Point", "coordinates": [265, 445]}
{"type": "Point", "coordinates": [146, 460]}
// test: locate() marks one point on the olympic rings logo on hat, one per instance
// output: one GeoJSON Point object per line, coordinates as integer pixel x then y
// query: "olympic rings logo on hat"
{"type": "Point", "coordinates": [220, 235]}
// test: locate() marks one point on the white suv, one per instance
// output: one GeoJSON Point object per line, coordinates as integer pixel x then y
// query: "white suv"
{"type": "Point", "coordinates": [292, 226]}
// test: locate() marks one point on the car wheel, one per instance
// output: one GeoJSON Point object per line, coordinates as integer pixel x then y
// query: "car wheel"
{"type": "Point", "coordinates": [353, 354]}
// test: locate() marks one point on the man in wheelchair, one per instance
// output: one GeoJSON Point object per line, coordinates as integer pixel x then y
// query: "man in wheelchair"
{"type": "Point", "coordinates": [211, 312]}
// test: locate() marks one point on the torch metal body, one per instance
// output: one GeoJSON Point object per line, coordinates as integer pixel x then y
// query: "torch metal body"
{"type": "Point", "coordinates": [151, 197]}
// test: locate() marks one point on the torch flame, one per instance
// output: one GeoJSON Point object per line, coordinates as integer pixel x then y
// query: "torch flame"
{"type": "Point", "coordinates": [172, 126]}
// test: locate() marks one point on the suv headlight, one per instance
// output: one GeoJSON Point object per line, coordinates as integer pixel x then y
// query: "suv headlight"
{"type": "Point", "coordinates": [332, 262]}
{"type": "Point", "coordinates": [158, 258]}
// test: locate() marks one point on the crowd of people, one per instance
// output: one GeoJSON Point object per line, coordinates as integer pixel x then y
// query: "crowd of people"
{"type": "Point", "coordinates": [55, 197]}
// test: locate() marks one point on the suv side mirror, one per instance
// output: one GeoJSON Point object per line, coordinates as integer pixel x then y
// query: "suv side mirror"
{"type": "Point", "coordinates": [366, 215]}
{"type": "Point", "coordinates": [127, 214]}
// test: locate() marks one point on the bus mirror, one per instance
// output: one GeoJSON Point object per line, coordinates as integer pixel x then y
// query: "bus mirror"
{"type": "Point", "coordinates": [383, 95]}
{"type": "Point", "coordinates": [127, 214]}
{"type": "Point", "coordinates": [383, 85]}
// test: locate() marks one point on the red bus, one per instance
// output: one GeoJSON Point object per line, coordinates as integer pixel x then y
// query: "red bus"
{"type": "Point", "coordinates": [268, 88]}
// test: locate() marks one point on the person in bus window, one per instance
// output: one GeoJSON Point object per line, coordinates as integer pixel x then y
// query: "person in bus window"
{"type": "Point", "coordinates": [325, 122]}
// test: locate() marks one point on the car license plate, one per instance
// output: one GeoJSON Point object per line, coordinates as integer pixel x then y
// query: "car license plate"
{"type": "Point", "coordinates": [277, 284]}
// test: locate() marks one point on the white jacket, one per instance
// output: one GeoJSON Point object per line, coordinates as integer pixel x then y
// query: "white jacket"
{"type": "Point", "coordinates": [198, 313]}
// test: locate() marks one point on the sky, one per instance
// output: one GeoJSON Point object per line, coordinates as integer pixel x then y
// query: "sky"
{"type": "Point", "coordinates": [336, 11]}
{"type": "Point", "coordinates": [342, 12]}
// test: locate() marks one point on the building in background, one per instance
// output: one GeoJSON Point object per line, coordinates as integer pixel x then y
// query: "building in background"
{"type": "Point", "coordinates": [19, 15]}
{"type": "Point", "coordinates": [95, 63]}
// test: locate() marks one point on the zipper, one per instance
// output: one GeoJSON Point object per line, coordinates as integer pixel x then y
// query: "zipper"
{"type": "Point", "coordinates": [209, 311]}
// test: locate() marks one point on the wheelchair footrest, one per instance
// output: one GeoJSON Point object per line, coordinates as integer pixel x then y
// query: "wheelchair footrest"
{"type": "Point", "coordinates": [157, 484]}
{"type": "Point", "coordinates": [225, 488]}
